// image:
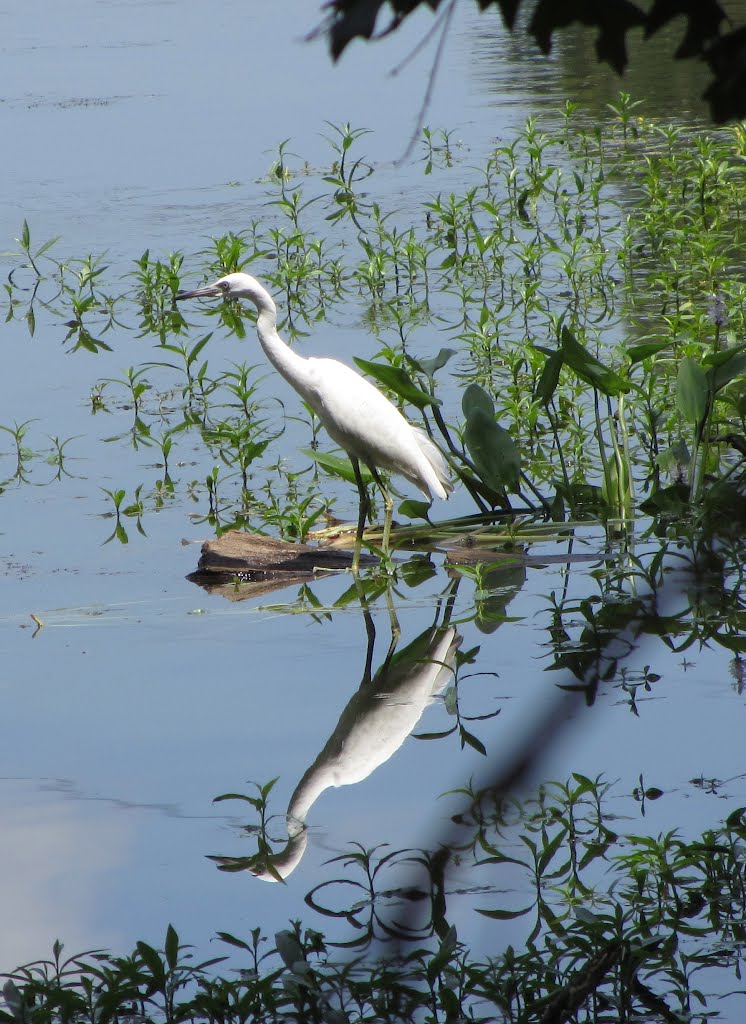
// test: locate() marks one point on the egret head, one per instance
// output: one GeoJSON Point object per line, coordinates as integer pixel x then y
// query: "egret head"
{"type": "Point", "coordinates": [233, 286]}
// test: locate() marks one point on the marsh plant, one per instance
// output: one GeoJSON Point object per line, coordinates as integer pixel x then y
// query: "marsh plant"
{"type": "Point", "coordinates": [615, 925]}
{"type": "Point", "coordinates": [566, 321]}
{"type": "Point", "coordinates": [584, 288]}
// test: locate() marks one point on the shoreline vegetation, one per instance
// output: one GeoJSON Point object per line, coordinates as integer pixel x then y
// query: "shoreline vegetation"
{"type": "Point", "coordinates": [618, 926]}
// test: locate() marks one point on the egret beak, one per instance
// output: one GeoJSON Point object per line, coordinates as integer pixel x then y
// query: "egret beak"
{"type": "Point", "coordinates": [210, 291]}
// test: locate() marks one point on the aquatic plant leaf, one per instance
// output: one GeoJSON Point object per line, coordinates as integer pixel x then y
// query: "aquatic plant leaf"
{"type": "Point", "coordinates": [468, 739]}
{"type": "Point", "coordinates": [547, 854]}
{"type": "Point", "coordinates": [431, 366]}
{"type": "Point", "coordinates": [670, 459]}
{"type": "Point", "coordinates": [616, 487]}
{"type": "Point", "coordinates": [443, 956]}
{"type": "Point", "coordinates": [692, 391]}
{"type": "Point", "coordinates": [85, 340]}
{"type": "Point", "coordinates": [338, 465]}
{"type": "Point", "coordinates": [171, 947]}
{"type": "Point", "coordinates": [489, 611]}
{"type": "Point", "coordinates": [735, 642]}
{"type": "Point", "coordinates": [504, 915]}
{"type": "Point", "coordinates": [579, 494]}
{"type": "Point", "coordinates": [549, 378]}
{"type": "Point", "coordinates": [417, 570]}
{"type": "Point", "coordinates": [587, 917]}
{"type": "Point", "coordinates": [289, 949]}
{"type": "Point", "coordinates": [399, 381]}
{"type": "Point", "coordinates": [671, 500]}
{"type": "Point", "coordinates": [450, 1002]}
{"type": "Point", "coordinates": [475, 398]}
{"type": "Point", "coordinates": [725, 366]}
{"type": "Point", "coordinates": [735, 819]}
{"type": "Point", "coordinates": [415, 509]}
{"type": "Point", "coordinates": [637, 353]}
{"type": "Point", "coordinates": [492, 449]}
{"type": "Point", "coordinates": [233, 941]}
{"type": "Point", "coordinates": [152, 961]}
{"type": "Point", "coordinates": [232, 863]}
{"type": "Point", "coordinates": [589, 368]}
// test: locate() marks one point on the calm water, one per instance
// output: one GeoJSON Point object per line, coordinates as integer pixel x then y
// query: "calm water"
{"type": "Point", "coordinates": [136, 125]}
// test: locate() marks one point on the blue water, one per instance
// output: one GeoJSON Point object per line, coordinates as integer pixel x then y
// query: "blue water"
{"type": "Point", "coordinates": [139, 125]}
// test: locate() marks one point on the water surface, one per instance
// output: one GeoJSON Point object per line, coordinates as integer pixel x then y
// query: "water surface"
{"type": "Point", "coordinates": [132, 126]}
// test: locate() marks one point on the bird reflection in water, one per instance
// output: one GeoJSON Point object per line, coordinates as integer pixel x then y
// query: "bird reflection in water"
{"type": "Point", "coordinates": [374, 724]}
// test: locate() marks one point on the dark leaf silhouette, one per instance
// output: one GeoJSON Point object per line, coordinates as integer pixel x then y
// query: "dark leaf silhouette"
{"type": "Point", "coordinates": [703, 38]}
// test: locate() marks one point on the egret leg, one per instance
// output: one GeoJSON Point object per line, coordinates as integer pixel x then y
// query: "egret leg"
{"type": "Point", "coordinates": [370, 629]}
{"type": "Point", "coordinates": [363, 512]}
{"type": "Point", "coordinates": [388, 506]}
{"type": "Point", "coordinates": [394, 623]}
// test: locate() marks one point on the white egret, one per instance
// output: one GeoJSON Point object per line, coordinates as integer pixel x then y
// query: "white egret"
{"type": "Point", "coordinates": [354, 412]}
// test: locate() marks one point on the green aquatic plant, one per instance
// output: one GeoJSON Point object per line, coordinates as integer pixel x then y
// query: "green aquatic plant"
{"type": "Point", "coordinates": [571, 260]}
{"type": "Point", "coordinates": [58, 457]}
{"type": "Point", "coordinates": [134, 510]}
{"type": "Point", "coordinates": [438, 148]}
{"type": "Point", "coordinates": [344, 178]}
{"type": "Point", "coordinates": [157, 281]}
{"type": "Point", "coordinates": [197, 384]}
{"type": "Point", "coordinates": [32, 253]}
{"type": "Point", "coordinates": [238, 443]}
{"type": "Point", "coordinates": [22, 454]}
{"type": "Point", "coordinates": [567, 321]}
{"type": "Point", "coordinates": [79, 327]}
{"type": "Point", "coordinates": [620, 924]}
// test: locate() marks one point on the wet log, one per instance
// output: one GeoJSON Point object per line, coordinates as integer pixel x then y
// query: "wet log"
{"type": "Point", "coordinates": [251, 557]}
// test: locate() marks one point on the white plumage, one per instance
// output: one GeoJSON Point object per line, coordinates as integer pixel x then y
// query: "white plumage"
{"type": "Point", "coordinates": [353, 411]}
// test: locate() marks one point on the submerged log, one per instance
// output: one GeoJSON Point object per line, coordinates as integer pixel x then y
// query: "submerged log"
{"type": "Point", "coordinates": [265, 563]}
